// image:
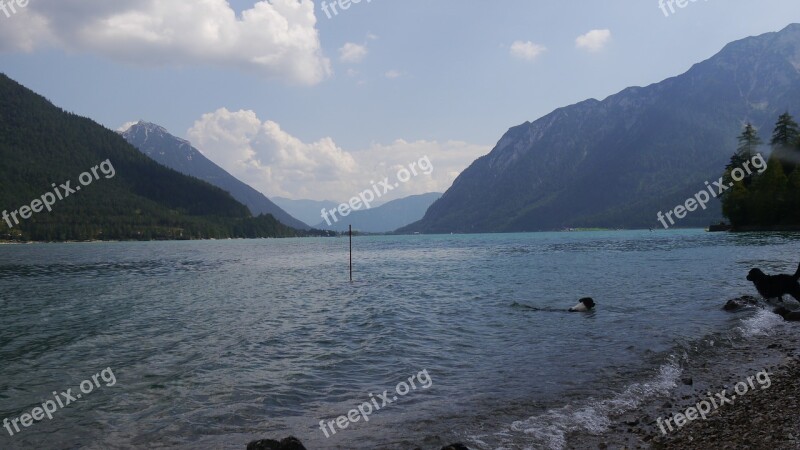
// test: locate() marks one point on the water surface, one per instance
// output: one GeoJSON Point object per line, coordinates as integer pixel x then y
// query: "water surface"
{"type": "Point", "coordinates": [216, 343]}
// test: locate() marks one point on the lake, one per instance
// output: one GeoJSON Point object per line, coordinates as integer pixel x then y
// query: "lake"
{"type": "Point", "coordinates": [213, 344]}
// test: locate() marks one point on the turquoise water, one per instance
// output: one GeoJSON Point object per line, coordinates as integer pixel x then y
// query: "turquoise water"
{"type": "Point", "coordinates": [216, 343]}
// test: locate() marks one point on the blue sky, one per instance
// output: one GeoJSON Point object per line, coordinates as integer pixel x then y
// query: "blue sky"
{"type": "Point", "coordinates": [305, 106]}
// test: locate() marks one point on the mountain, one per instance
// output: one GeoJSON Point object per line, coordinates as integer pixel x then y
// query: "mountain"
{"type": "Point", "coordinates": [306, 210]}
{"type": "Point", "coordinates": [387, 217]}
{"type": "Point", "coordinates": [97, 186]}
{"type": "Point", "coordinates": [178, 154]}
{"type": "Point", "coordinates": [619, 161]}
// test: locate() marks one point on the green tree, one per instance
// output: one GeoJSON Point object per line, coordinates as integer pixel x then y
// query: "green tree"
{"type": "Point", "coordinates": [749, 141]}
{"type": "Point", "coordinates": [785, 140]}
{"type": "Point", "coordinates": [769, 199]}
{"type": "Point", "coordinates": [735, 205]}
{"type": "Point", "coordinates": [770, 194]}
{"type": "Point", "coordinates": [786, 132]}
{"type": "Point", "coordinates": [793, 198]}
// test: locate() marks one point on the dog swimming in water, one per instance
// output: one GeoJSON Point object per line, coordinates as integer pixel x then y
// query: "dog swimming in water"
{"type": "Point", "coordinates": [585, 304]}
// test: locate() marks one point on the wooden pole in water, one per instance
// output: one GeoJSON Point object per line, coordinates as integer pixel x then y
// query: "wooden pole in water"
{"type": "Point", "coordinates": [351, 253]}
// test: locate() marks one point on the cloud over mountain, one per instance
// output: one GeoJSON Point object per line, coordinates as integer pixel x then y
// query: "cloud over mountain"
{"type": "Point", "coordinates": [277, 163]}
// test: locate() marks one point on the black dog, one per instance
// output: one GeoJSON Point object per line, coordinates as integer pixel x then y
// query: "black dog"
{"type": "Point", "coordinates": [776, 286]}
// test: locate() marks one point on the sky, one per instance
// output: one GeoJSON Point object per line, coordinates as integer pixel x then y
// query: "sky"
{"type": "Point", "coordinates": [305, 99]}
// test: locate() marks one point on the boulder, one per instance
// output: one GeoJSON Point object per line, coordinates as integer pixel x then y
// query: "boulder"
{"type": "Point", "coordinates": [289, 443]}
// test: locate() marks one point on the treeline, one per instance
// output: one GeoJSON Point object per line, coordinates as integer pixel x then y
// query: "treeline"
{"type": "Point", "coordinates": [767, 198]}
{"type": "Point", "coordinates": [98, 227]}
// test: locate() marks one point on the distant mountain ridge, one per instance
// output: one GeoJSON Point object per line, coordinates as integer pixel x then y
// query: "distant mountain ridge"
{"type": "Point", "coordinates": [306, 210]}
{"type": "Point", "coordinates": [617, 162]}
{"type": "Point", "coordinates": [179, 154]}
{"type": "Point", "coordinates": [385, 218]}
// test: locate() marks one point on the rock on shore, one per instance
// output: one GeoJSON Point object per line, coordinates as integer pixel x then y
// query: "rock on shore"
{"type": "Point", "coordinates": [292, 443]}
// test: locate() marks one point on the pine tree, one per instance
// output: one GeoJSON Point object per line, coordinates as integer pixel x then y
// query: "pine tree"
{"type": "Point", "coordinates": [785, 140]}
{"type": "Point", "coordinates": [786, 132]}
{"type": "Point", "coordinates": [749, 141]}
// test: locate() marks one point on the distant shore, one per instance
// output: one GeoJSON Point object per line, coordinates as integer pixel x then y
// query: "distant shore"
{"type": "Point", "coordinates": [98, 241]}
{"type": "Point", "coordinates": [783, 228]}
{"type": "Point", "coordinates": [53, 242]}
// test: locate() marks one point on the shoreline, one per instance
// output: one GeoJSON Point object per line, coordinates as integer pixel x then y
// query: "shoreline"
{"type": "Point", "coordinates": [110, 241]}
{"type": "Point", "coordinates": [767, 229]}
{"type": "Point", "coordinates": [761, 418]}
{"type": "Point", "coordinates": [358, 233]}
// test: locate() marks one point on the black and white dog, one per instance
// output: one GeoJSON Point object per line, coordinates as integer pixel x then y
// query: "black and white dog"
{"type": "Point", "coordinates": [585, 304]}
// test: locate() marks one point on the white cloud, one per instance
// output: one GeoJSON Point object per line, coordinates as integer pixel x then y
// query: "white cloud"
{"type": "Point", "coordinates": [275, 39]}
{"type": "Point", "coordinates": [352, 53]}
{"type": "Point", "coordinates": [526, 50]}
{"type": "Point", "coordinates": [448, 158]}
{"type": "Point", "coordinates": [392, 74]}
{"type": "Point", "coordinates": [594, 40]}
{"type": "Point", "coordinates": [125, 126]}
{"type": "Point", "coordinates": [266, 156]}
{"type": "Point", "coordinates": [276, 163]}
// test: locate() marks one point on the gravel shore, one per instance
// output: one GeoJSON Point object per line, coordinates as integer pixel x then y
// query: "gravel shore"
{"type": "Point", "coordinates": [761, 419]}
{"type": "Point", "coordinates": [765, 417]}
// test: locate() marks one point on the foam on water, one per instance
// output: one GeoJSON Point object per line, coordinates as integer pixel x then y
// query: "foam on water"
{"type": "Point", "coordinates": [761, 324]}
{"type": "Point", "coordinates": [551, 428]}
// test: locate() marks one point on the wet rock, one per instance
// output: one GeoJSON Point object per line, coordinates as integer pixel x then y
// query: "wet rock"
{"type": "Point", "coordinates": [456, 447]}
{"type": "Point", "coordinates": [740, 303]}
{"type": "Point", "coordinates": [787, 314]}
{"type": "Point", "coordinates": [289, 443]}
